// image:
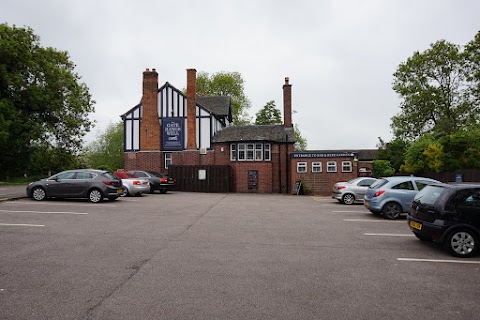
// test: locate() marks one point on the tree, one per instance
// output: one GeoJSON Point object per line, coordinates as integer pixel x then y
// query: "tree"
{"type": "Point", "coordinates": [393, 151]}
{"type": "Point", "coordinates": [300, 141]}
{"type": "Point", "coordinates": [226, 84]}
{"type": "Point", "coordinates": [107, 151]}
{"type": "Point", "coordinates": [436, 92]}
{"type": "Point", "coordinates": [269, 114]}
{"type": "Point", "coordinates": [382, 168]}
{"type": "Point", "coordinates": [43, 106]}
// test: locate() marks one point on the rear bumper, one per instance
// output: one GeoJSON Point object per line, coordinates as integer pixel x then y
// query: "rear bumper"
{"type": "Point", "coordinates": [428, 230]}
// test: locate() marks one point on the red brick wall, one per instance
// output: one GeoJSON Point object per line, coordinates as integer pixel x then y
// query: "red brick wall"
{"type": "Point", "coordinates": [152, 161]}
{"type": "Point", "coordinates": [320, 183]}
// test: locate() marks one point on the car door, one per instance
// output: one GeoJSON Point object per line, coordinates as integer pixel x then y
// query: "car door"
{"type": "Point", "coordinates": [60, 184]}
{"type": "Point", "coordinates": [404, 192]}
{"type": "Point", "coordinates": [468, 207]}
{"type": "Point", "coordinates": [362, 187]}
{"type": "Point", "coordinates": [78, 187]}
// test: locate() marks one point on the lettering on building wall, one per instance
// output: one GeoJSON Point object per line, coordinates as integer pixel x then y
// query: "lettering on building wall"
{"type": "Point", "coordinates": [173, 134]}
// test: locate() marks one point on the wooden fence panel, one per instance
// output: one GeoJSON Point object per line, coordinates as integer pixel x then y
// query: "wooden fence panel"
{"type": "Point", "coordinates": [201, 178]}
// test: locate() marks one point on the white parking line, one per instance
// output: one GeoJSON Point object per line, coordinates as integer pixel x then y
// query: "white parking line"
{"type": "Point", "coordinates": [373, 220]}
{"type": "Point", "coordinates": [22, 225]}
{"type": "Point", "coordinates": [389, 234]}
{"type": "Point", "coordinates": [60, 212]}
{"type": "Point", "coordinates": [351, 211]}
{"type": "Point", "coordinates": [441, 261]}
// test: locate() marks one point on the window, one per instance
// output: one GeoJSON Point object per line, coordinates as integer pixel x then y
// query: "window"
{"type": "Point", "coordinates": [346, 166]}
{"type": "Point", "coordinates": [407, 185]}
{"type": "Point", "coordinates": [241, 152]}
{"type": "Point", "coordinates": [316, 167]}
{"type": "Point", "coordinates": [233, 152]}
{"type": "Point", "coordinates": [258, 152]}
{"type": "Point", "coordinates": [267, 151]}
{"type": "Point", "coordinates": [331, 166]}
{"type": "Point", "coordinates": [250, 152]}
{"type": "Point", "coordinates": [168, 160]}
{"type": "Point", "coordinates": [301, 167]}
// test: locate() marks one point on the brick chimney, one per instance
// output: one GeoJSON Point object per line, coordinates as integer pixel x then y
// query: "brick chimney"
{"type": "Point", "coordinates": [150, 125]}
{"type": "Point", "coordinates": [287, 104]}
{"type": "Point", "coordinates": [191, 109]}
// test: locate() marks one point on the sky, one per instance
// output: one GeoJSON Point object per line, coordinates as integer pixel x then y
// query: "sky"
{"type": "Point", "coordinates": [340, 55]}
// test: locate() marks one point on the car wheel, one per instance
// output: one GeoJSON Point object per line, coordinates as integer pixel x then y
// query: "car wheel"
{"type": "Point", "coordinates": [151, 189]}
{"type": "Point", "coordinates": [348, 198]}
{"type": "Point", "coordinates": [392, 210]}
{"type": "Point", "coordinates": [138, 194]}
{"type": "Point", "coordinates": [462, 243]}
{"type": "Point", "coordinates": [163, 191]}
{"type": "Point", "coordinates": [38, 194]}
{"type": "Point", "coordinates": [95, 196]}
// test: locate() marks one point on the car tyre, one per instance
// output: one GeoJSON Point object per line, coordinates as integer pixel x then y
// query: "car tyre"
{"type": "Point", "coordinates": [163, 191]}
{"type": "Point", "coordinates": [95, 196]}
{"type": "Point", "coordinates": [348, 199]}
{"type": "Point", "coordinates": [392, 210]}
{"type": "Point", "coordinates": [462, 243]}
{"type": "Point", "coordinates": [151, 188]}
{"type": "Point", "coordinates": [39, 194]}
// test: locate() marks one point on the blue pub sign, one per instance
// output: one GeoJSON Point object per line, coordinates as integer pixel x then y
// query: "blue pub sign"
{"type": "Point", "coordinates": [173, 136]}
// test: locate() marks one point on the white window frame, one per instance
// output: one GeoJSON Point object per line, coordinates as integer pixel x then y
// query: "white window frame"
{"type": "Point", "coordinates": [233, 152]}
{"type": "Point", "coordinates": [316, 167]}
{"type": "Point", "coordinates": [250, 151]}
{"type": "Point", "coordinates": [267, 150]}
{"type": "Point", "coordinates": [258, 153]}
{"type": "Point", "coordinates": [167, 159]}
{"type": "Point", "coordinates": [332, 166]}
{"type": "Point", "coordinates": [347, 166]}
{"type": "Point", "coordinates": [242, 152]}
{"type": "Point", "coordinates": [301, 167]}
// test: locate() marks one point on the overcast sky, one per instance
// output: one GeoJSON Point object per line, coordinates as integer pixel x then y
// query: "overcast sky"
{"type": "Point", "coordinates": [339, 54]}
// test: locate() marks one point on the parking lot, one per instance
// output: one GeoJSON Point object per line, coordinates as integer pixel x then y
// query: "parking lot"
{"type": "Point", "coordinates": [223, 256]}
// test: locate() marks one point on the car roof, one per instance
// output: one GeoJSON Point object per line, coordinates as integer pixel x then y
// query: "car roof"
{"type": "Point", "coordinates": [406, 178]}
{"type": "Point", "coordinates": [458, 186]}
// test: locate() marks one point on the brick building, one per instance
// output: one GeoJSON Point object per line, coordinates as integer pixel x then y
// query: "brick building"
{"type": "Point", "coordinates": [169, 129]}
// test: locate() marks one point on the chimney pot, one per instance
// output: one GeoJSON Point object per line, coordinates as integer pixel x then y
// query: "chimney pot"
{"type": "Point", "coordinates": [286, 80]}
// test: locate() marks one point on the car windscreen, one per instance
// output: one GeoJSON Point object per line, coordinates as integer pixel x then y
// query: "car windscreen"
{"type": "Point", "coordinates": [378, 184]}
{"type": "Point", "coordinates": [429, 195]}
{"type": "Point", "coordinates": [156, 174]}
{"type": "Point", "coordinates": [109, 175]}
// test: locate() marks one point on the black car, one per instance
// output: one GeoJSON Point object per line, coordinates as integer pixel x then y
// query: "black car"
{"type": "Point", "coordinates": [158, 181]}
{"type": "Point", "coordinates": [448, 214]}
{"type": "Point", "coordinates": [94, 185]}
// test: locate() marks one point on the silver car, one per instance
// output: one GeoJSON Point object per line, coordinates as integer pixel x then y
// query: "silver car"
{"type": "Point", "coordinates": [352, 191]}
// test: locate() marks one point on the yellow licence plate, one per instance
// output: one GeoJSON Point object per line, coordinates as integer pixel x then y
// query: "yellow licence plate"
{"type": "Point", "coordinates": [119, 190]}
{"type": "Point", "coordinates": [416, 225]}
{"type": "Point", "coordinates": [366, 203]}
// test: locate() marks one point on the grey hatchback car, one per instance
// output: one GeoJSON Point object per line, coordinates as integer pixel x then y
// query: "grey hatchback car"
{"type": "Point", "coordinates": [94, 185]}
{"type": "Point", "coordinates": [393, 196]}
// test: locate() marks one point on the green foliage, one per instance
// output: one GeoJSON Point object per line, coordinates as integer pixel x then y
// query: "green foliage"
{"type": "Point", "coordinates": [226, 84]}
{"type": "Point", "coordinates": [300, 141]}
{"type": "Point", "coordinates": [43, 106]}
{"type": "Point", "coordinates": [269, 114]}
{"type": "Point", "coordinates": [382, 168]}
{"type": "Point", "coordinates": [462, 149]}
{"type": "Point", "coordinates": [107, 151]}
{"type": "Point", "coordinates": [415, 159]}
{"type": "Point", "coordinates": [436, 91]}
{"type": "Point", "coordinates": [394, 152]}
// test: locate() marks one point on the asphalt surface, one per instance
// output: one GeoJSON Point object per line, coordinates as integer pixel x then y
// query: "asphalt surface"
{"type": "Point", "coordinates": [12, 192]}
{"type": "Point", "coordinates": [222, 256]}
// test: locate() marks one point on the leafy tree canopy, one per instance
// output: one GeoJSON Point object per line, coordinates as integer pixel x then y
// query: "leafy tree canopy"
{"type": "Point", "coordinates": [43, 105]}
{"type": "Point", "coordinates": [106, 152]}
{"type": "Point", "coordinates": [393, 151]}
{"type": "Point", "coordinates": [300, 141]}
{"type": "Point", "coordinates": [438, 90]}
{"type": "Point", "coordinates": [269, 114]}
{"type": "Point", "coordinates": [226, 84]}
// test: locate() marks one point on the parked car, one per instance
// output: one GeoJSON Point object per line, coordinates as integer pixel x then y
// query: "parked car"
{"type": "Point", "coordinates": [94, 185]}
{"type": "Point", "coordinates": [351, 191]}
{"type": "Point", "coordinates": [448, 214]}
{"type": "Point", "coordinates": [158, 181]}
{"type": "Point", "coordinates": [392, 196]}
{"type": "Point", "coordinates": [132, 184]}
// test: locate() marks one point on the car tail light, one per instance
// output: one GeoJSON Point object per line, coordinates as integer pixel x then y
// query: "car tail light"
{"type": "Point", "coordinates": [341, 187]}
{"type": "Point", "coordinates": [136, 183]}
{"type": "Point", "coordinates": [379, 193]}
{"type": "Point", "coordinates": [163, 180]}
{"type": "Point", "coordinates": [108, 182]}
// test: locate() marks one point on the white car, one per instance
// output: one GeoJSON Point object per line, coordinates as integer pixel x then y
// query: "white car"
{"type": "Point", "coordinates": [132, 184]}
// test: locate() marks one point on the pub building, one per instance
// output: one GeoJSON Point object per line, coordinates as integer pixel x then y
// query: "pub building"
{"type": "Point", "coordinates": [193, 139]}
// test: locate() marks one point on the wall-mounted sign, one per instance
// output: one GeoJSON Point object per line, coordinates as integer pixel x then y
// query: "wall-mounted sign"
{"type": "Point", "coordinates": [295, 155]}
{"type": "Point", "coordinates": [173, 134]}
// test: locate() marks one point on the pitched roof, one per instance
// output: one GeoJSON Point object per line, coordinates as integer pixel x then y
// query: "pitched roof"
{"type": "Point", "coordinates": [218, 105]}
{"type": "Point", "coordinates": [274, 133]}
